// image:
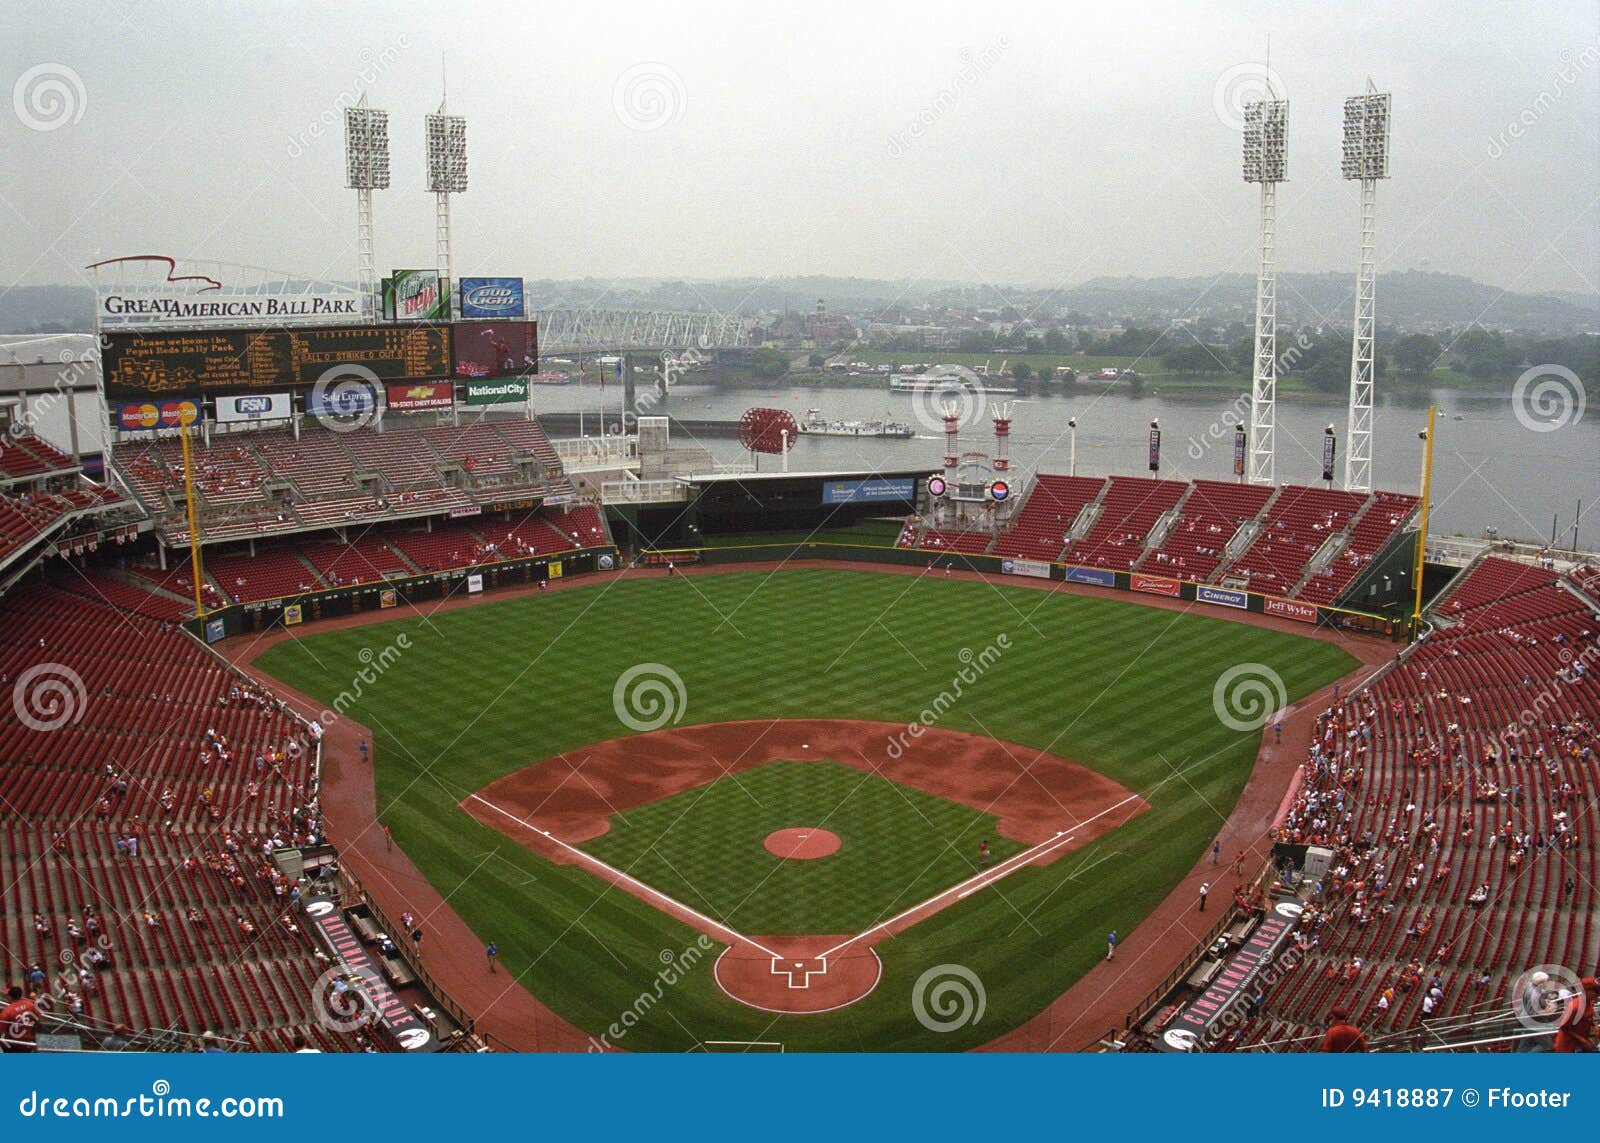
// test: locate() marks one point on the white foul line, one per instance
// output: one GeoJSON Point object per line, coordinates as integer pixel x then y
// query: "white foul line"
{"type": "Point", "coordinates": [589, 859]}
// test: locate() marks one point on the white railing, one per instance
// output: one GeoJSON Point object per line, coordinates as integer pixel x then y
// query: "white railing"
{"type": "Point", "coordinates": [642, 492]}
{"type": "Point", "coordinates": [578, 453]}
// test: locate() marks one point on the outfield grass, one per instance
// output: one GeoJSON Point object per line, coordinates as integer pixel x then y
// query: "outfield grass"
{"type": "Point", "coordinates": [899, 846]}
{"type": "Point", "coordinates": [483, 691]}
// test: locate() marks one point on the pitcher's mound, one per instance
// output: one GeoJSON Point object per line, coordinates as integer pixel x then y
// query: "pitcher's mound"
{"type": "Point", "coordinates": [802, 844]}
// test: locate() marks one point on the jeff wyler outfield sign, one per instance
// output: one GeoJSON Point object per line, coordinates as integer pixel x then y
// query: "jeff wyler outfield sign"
{"type": "Point", "coordinates": [500, 391]}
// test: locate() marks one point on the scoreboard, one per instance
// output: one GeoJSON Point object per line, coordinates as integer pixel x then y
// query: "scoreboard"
{"type": "Point", "coordinates": [195, 362]}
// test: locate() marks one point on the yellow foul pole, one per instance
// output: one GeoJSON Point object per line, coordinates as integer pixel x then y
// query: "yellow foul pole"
{"type": "Point", "coordinates": [194, 532]}
{"type": "Point", "coordinates": [1422, 529]}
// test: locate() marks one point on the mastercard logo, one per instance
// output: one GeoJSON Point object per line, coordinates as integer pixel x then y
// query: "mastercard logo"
{"type": "Point", "coordinates": [175, 413]}
{"type": "Point", "coordinates": [134, 417]}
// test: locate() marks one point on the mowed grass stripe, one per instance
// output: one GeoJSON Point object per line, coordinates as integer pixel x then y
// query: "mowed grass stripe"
{"type": "Point", "coordinates": [486, 690]}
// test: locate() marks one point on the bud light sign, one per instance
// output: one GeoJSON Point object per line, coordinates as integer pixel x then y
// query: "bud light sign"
{"type": "Point", "coordinates": [491, 298]}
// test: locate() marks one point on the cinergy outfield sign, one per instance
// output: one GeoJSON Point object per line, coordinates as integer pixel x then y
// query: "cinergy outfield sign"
{"type": "Point", "coordinates": [125, 309]}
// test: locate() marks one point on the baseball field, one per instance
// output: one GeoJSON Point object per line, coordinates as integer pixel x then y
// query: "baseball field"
{"type": "Point", "coordinates": [617, 782]}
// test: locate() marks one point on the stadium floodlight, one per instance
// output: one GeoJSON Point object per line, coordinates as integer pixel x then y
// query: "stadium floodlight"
{"type": "Point", "coordinates": [366, 169]}
{"type": "Point", "coordinates": [447, 175]}
{"type": "Point", "coordinates": [1266, 163]}
{"type": "Point", "coordinates": [1365, 157]}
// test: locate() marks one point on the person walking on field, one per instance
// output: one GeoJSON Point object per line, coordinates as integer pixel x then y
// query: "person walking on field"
{"type": "Point", "coordinates": [1205, 887]}
{"type": "Point", "coordinates": [388, 838]}
{"type": "Point", "coordinates": [1216, 851]}
{"type": "Point", "coordinates": [1111, 945]}
{"type": "Point", "coordinates": [492, 953]}
{"type": "Point", "coordinates": [983, 852]}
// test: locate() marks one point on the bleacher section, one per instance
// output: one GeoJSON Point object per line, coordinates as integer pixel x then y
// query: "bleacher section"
{"type": "Point", "coordinates": [1298, 522]}
{"type": "Point", "coordinates": [1212, 515]}
{"type": "Point", "coordinates": [1385, 514]}
{"type": "Point", "coordinates": [1039, 530]}
{"type": "Point", "coordinates": [195, 926]}
{"type": "Point", "coordinates": [1129, 508]}
{"type": "Point", "coordinates": [1459, 793]}
{"type": "Point", "coordinates": [258, 484]}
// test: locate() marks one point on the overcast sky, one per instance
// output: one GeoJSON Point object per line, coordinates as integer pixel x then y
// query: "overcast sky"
{"type": "Point", "coordinates": [1008, 143]}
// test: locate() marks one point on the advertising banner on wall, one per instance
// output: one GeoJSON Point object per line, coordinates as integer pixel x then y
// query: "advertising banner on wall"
{"type": "Point", "coordinates": [1038, 569]}
{"type": "Point", "coordinates": [342, 401]}
{"type": "Point", "coordinates": [255, 407]}
{"type": "Point", "coordinates": [1155, 585]}
{"type": "Point", "coordinates": [475, 582]}
{"type": "Point", "coordinates": [857, 491]}
{"type": "Point", "coordinates": [1092, 575]}
{"type": "Point", "coordinates": [225, 307]}
{"type": "Point", "coordinates": [491, 298]}
{"type": "Point", "coordinates": [1222, 596]}
{"type": "Point", "coordinates": [1292, 609]}
{"type": "Point", "coordinates": [147, 416]}
{"type": "Point", "coordinates": [497, 349]}
{"type": "Point", "coordinates": [416, 295]}
{"type": "Point", "coordinates": [508, 391]}
{"type": "Point", "coordinates": [420, 395]}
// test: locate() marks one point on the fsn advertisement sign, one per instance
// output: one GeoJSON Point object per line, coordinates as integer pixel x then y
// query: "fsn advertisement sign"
{"type": "Point", "coordinates": [492, 298]}
{"type": "Point", "coordinates": [501, 391]}
{"type": "Point", "coordinates": [255, 407]}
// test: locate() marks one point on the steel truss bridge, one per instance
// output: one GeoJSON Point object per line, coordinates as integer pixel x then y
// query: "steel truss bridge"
{"type": "Point", "coordinates": [570, 330]}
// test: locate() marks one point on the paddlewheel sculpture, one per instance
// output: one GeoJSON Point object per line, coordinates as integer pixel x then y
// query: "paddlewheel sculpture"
{"type": "Point", "coordinates": [763, 430]}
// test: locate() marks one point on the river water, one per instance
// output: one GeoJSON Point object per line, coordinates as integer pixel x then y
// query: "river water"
{"type": "Point", "coordinates": [1490, 469]}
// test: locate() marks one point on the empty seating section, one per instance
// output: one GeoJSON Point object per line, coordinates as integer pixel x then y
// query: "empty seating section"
{"type": "Point", "coordinates": [1040, 528]}
{"type": "Point", "coordinates": [269, 574]}
{"type": "Point", "coordinates": [946, 540]}
{"type": "Point", "coordinates": [584, 524]}
{"type": "Point", "coordinates": [253, 484]}
{"type": "Point", "coordinates": [1212, 515]}
{"type": "Point", "coordinates": [1458, 791]}
{"type": "Point", "coordinates": [364, 560]}
{"type": "Point", "coordinates": [1384, 516]}
{"type": "Point", "coordinates": [194, 924]}
{"type": "Point", "coordinates": [1129, 508]}
{"type": "Point", "coordinates": [137, 597]}
{"type": "Point", "coordinates": [1298, 522]}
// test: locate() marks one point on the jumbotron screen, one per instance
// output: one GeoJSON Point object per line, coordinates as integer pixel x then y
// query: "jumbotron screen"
{"type": "Point", "coordinates": [205, 361]}
{"type": "Point", "coordinates": [496, 348]}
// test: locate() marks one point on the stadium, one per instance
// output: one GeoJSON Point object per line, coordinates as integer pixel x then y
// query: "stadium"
{"type": "Point", "coordinates": [356, 708]}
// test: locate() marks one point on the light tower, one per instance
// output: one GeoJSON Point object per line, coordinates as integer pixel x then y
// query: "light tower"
{"type": "Point", "coordinates": [447, 175]}
{"type": "Point", "coordinates": [1266, 163]}
{"type": "Point", "coordinates": [1366, 157]}
{"type": "Point", "coordinates": [366, 167]}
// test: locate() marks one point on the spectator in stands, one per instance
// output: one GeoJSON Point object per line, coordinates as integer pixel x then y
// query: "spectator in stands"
{"type": "Point", "coordinates": [119, 1039]}
{"type": "Point", "coordinates": [19, 1022]}
{"type": "Point", "coordinates": [1342, 1036]}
